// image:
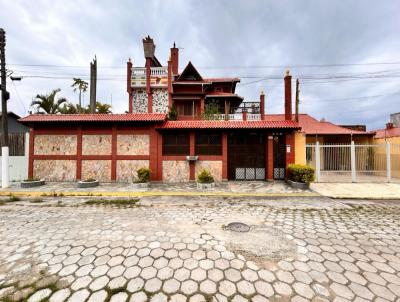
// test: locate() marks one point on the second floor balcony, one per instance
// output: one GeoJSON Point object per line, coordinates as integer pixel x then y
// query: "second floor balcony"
{"type": "Point", "coordinates": [158, 76]}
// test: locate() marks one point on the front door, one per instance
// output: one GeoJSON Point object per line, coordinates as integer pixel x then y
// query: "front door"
{"type": "Point", "coordinates": [279, 156]}
{"type": "Point", "coordinates": [246, 156]}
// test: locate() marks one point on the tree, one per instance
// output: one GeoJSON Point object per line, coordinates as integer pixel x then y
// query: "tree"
{"type": "Point", "coordinates": [80, 85]}
{"type": "Point", "coordinates": [47, 103]}
{"type": "Point", "coordinates": [103, 108]}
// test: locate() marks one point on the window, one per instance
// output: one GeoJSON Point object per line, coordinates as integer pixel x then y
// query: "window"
{"type": "Point", "coordinates": [186, 108]}
{"type": "Point", "coordinates": [176, 144]}
{"type": "Point", "coordinates": [208, 144]}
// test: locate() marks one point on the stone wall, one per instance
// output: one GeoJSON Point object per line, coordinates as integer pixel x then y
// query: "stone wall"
{"type": "Point", "coordinates": [213, 166]}
{"type": "Point", "coordinates": [126, 169]}
{"type": "Point", "coordinates": [133, 144]}
{"type": "Point", "coordinates": [139, 100]}
{"type": "Point", "coordinates": [160, 100]}
{"type": "Point", "coordinates": [57, 170]}
{"type": "Point", "coordinates": [96, 144]}
{"type": "Point", "coordinates": [175, 171]}
{"type": "Point", "coordinates": [55, 144]}
{"type": "Point", "coordinates": [97, 169]}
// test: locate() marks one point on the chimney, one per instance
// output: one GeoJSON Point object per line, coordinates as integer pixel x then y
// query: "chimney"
{"type": "Point", "coordinates": [175, 59]}
{"type": "Point", "coordinates": [262, 104]}
{"type": "Point", "coordinates": [149, 47]}
{"type": "Point", "coordinates": [389, 126]}
{"type": "Point", "coordinates": [288, 96]}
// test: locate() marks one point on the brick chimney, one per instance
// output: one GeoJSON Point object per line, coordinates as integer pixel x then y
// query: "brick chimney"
{"type": "Point", "coordinates": [129, 83]}
{"type": "Point", "coordinates": [389, 126]}
{"type": "Point", "coordinates": [149, 47]}
{"type": "Point", "coordinates": [262, 104]}
{"type": "Point", "coordinates": [288, 96]}
{"type": "Point", "coordinates": [175, 59]}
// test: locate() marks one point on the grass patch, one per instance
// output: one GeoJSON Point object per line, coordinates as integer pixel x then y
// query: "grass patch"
{"type": "Point", "coordinates": [14, 198]}
{"type": "Point", "coordinates": [37, 200]}
{"type": "Point", "coordinates": [118, 202]}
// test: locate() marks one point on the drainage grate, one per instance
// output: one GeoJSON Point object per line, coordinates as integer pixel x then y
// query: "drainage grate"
{"type": "Point", "coordinates": [237, 227]}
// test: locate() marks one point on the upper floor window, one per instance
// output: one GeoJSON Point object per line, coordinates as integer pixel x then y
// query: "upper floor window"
{"type": "Point", "coordinates": [208, 144]}
{"type": "Point", "coordinates": [176, 144]}
{"type": "Point", "coordinates": [187, 108]}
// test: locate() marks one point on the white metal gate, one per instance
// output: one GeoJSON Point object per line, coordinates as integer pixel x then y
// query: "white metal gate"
{"type": "Point", "coordinates": [354, 163]}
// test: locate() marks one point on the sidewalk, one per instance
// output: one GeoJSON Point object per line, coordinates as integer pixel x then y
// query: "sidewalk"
{"type": "Point", "coordinates": [231, 188]}
{"type": "Point", "coordinates": [358, 190]}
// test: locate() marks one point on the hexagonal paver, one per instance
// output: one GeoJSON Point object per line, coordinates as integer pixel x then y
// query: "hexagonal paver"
{"type": "Point", "coordinates": [99, 283]}
{"type": "Point", "coordinates": [245, 288]}
{"type": "Point", "coordinates": [208, 287]}
{"type": "Point", "coordinates": [99, 296]}
{"type": "Point", "coordinates": [135, 285]}
{"type": "Point", "coordinates": [188, 287]}
{"type": "Point", "coordinates": [171, 286]}
{"type": "Point", "coordinates": [153, 285]}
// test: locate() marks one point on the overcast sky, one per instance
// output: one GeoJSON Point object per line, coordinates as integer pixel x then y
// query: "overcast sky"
{"type": "Point", "coordinates": [254, 40]}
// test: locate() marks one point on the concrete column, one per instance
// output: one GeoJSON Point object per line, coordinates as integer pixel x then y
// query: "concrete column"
{"type": "Point", "coordinates": [5, 183]}
{"type": "Point", "coordinates": [353, 162]}
{"type": "Point", "coordinates": [317, 162]}
{"type": "Point", "coordinates": [388, 163]}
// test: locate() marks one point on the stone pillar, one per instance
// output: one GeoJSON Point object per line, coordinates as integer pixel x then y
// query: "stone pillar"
{"type": "Point", "coordinates": [192, 163]}
{"type": "Point", "coordinates": [148, 87]}
{"type": "Point", "coordinates": [224, 156]}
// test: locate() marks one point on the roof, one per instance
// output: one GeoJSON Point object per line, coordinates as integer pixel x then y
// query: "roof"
{"type": "Point", "coordinates": [384, 133]}
{"type": "Point", "coordinates": [310, 125]}
{"type": "Point", "coordinates": [10, 113]}
{"type": "Point", "coordinates": [123, 117]}
{"type": "Point", "coordinates": [202, 124]}
{"type": "Point", "coordinates": [206, 81]}
{"type": "Point", "coordinates": [223, 94]}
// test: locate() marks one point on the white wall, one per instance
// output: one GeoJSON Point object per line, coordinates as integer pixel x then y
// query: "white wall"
{"type": "Point", "coordinates": [19, 164]}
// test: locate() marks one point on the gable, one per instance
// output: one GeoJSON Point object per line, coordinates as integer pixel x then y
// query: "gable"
{"type": "Point", "coordinates": [190, 73]}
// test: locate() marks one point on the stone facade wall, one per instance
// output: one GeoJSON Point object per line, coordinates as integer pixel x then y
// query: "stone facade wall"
{"type": "Point", "coordinates": [175, 171]}
{"type": "Point", "coordinates": [126, 169]}
{"type": "Point", "coordinates": [58, 170]}
{"type": "Point", "coordinates": [96, 144]}
{"type": "Point", "coordinates": [160, 100]}
{"type": "Point", "coordinates": [97, 169]}
{"type": "Point", "coordinates": [133, 144]}
{"type": "Point", "coordinates": [139, 100]}
{"type": "Point", "coordinates": [55, 144]}
{"type": "Point", "coordinates": [214, 166]}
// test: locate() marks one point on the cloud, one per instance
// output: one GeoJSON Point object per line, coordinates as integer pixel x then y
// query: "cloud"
{"type": "Point", "coordinates": [236, 36]}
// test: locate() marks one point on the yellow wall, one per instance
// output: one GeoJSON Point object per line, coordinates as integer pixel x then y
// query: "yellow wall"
{"type": "Point", "coordinates": [300, 151]}
{"type": "Point", "coordinates": [392, 140]}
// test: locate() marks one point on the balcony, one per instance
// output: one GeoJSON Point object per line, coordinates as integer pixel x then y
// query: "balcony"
{"type": "Point", "coordinates": [235, 117]}
{"type": "Point", "coordinates": [158, 77]}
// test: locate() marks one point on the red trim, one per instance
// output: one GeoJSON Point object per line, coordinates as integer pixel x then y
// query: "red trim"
{"type": "Point", "coordinates": [148, 88]}
{"type": "Point", "coordinates": [270, 157]}
{"type": "Point", "coordinates": [224, 156]}
{"type": "Point", "coordinates": [130, 130]}
{"type": "Point", "coordinates": [169, 84]}
{"type": "Point", "coordinates": [31, 150]}
{"type": "Point", "coordinates": [59, 131]}
{"type": "Point", "coordinates": [114, 153]}
{"type": "Point", "coordinates": [129, 84]}
{"type": "Point", "coordinates": [132, 157]}
{"type": "Point", "coordinates": [78, 156]}
{"type": "Point", "coordinates": [153, 155]}
{"type": "Point", "coordinates": [55, 157]}
{"type": "Point", "coordinates": [159, 156]}
{"type": "Point", "coordinates": [192, 152]}
{"type": "Point", "coordinates": [90, 157]}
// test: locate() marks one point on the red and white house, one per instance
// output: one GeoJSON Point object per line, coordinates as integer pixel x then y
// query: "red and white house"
{"type": "Point", "coordinates": [236, 142]}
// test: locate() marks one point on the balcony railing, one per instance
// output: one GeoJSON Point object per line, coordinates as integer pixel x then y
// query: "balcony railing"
{"type": "Point", "coordinates": [158, 76]}
{"type": "Point", "coordinates": [236, 117]}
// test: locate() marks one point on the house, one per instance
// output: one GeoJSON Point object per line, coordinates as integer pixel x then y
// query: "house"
{"type": "Point", "coordinates": [18, 136]}
{"type": "Point", "coordinates": [178, 123]}
{"type": "Point", "coordinates": [391, 133]}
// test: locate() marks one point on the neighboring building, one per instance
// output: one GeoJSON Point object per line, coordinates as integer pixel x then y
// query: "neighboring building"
{"type": "Point", "coordinates": [395, 119]}
{"type": "Point", "coordinates": [390, 134]}
{"type": "Point", "coordinates": [18, 135]}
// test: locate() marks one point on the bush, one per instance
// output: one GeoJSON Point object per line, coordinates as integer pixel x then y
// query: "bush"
{"type": "Point", "coordinates": [173, 113]}
{"type": "Point", "coordinates": [205, 177]}
{"type": "Point", "coordinates": [143, 174]}
{"type": "Point", "coordinates": [300, 173]}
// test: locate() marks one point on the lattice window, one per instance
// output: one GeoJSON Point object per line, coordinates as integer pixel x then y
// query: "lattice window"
{"type": "Point", "coordinates": [176, 144]}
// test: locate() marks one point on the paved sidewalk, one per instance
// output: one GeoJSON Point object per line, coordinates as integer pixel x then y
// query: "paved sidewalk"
{"type": "Point", "coordinates": [173, 251]}
{"type": "Point", "coordinates": [231, 188]}
{"type": "Point", "coordinates": [358, 190]}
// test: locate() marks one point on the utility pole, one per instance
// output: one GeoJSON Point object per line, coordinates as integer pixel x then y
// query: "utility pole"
{"type": "Point", "coordinates": [297, 101]}
{"type": "Point", "coordinates": [93, 85]}
{"type": "Point", "coordinates": [5, 95]}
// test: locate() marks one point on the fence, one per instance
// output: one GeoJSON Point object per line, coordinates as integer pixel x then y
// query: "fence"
{"type": "Point", "coordinates": [18, 160]}
{"type": "Point", "coordinates": [354, 163]}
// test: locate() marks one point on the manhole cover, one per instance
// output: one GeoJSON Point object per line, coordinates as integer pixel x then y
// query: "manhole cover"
{"type": "Point", "coordinates": [237, 227]}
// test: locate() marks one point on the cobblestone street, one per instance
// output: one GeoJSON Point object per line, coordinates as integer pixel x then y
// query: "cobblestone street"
{"type": "Point", "coordinates": [175, 249]}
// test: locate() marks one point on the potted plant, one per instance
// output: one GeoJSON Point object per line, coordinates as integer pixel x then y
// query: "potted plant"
{"type": "Point", "coordinates": [32, 182]}
{"type": "Point", "coordinates": [88, 183]}
{"type": "Point", "coordinates": [300, 176]}
{"type": "Point", "coordinates": [205, 180]}
{"type": "Point", "coordinates": [143, 178]}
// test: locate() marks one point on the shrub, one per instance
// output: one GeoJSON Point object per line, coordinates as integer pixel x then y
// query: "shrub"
{"type": "Point", "coordinates": [89, 180]}
{"type": "Point", "coordinates": [32, 179]}
{"type": "Point", "coordinates": [300, 173]}
{"type": "Point", "coordinates": [205, 177]}
{"type": "Point", "coordinates": [143, 174]}
{"type": "Point", "coordinates": [173, 113]}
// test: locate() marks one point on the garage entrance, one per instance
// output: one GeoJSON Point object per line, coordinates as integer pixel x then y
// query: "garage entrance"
{"type": "Point", "coordinates": [246, 156]}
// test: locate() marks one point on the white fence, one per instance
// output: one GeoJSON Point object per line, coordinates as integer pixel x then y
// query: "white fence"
{"type": "Point", "coordinates": [354, 163]}
{"type": "Point", "coordinates": [18, 165]}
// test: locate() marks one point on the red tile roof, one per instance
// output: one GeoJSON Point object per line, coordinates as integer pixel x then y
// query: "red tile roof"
{"type": "Point", "coordinates": [385, 133]}
{"type": "Point", "coordinates": [222, 94]}
{"type": "Point", "coordinates": [123, 117]}
{"type": "Point", "coordinates": [209, 80]}
{"type": "Point", "coordinates": [310, 125]}
{"type": "Point", "coordinates": [201, 124]}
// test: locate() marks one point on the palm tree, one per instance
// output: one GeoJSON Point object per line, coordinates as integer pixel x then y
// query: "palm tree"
{"type": "Point", "coordinates": [47, 103]}
{"type": "Point", "coordinates": [103, 108]}
{"type": "Point", "coordinates": [80, 85]}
